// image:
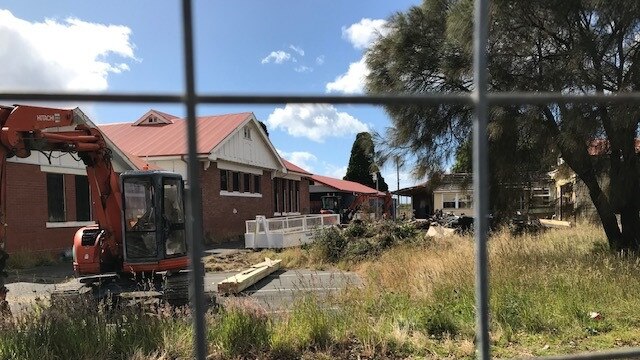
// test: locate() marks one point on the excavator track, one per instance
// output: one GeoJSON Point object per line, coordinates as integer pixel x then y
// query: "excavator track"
{"type": "Point", "coordinates": [176, 288]}
{"type": "Point", "coordinates": [115, 290]}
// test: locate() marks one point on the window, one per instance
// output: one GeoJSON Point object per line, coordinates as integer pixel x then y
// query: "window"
{"type": "Point", "coordinates": [540, 197]}
{"type": "Point", "coordinates": [256, 183]}
{"type": "Point", "coordinates": [224, 180]}
{"type": "Point", "coordinates": [139, 205]}
{"type": "Point", "coordinates": [55, 197]}
{"type": "Point", "coordinates": [235, 181]}
{"type": "Point", "coordinates": [247, 132]}
{"type": "Point", "coordinates": [297, 197]}
{"type": "Point", "coordinates": [175, 241]}
{"type": "Point", "coordinates": [465, 201]}
{"type": "Point", "coordinates": [83, 199]}
{"type": "Point", "coordinates": [448, 201]}
{"type": "Point", "coordinates": [285, 203]}
{"type": "Point", "coordinates": [291, 196]}
{"type": "Point", "coordinates": [276, 191]}
{"type": "Point", "coordinates": [246, 183]}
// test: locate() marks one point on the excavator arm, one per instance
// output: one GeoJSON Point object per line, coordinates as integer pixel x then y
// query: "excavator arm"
{"type": "Point", "coordinates": [28, 128]}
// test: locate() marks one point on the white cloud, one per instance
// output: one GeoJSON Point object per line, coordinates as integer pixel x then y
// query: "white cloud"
{"type": "Point", "coordinates": [334, 171]}
{"type": "Point", "coordinates": [303, 159]}
{"type": "Point", "coordinates": [363, 33]}
{"type": "Point", "coordinates": [297, 49]}
{"type": "Point", "coordinates": [314, 121]}
{"type": "Point", "coordinates": [66, 55]}
{"type": "Point", "coordinates": [277, 57]}
{"type": "Point", "coordinates": [351, 82]}
{"type": "Point", "coordinates": [302, 69]}
{"type": "Point", "coordinates": [320, 60]}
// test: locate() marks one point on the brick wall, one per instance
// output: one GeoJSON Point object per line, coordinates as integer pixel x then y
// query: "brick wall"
{"type": "Point", "coordinates": [27, 211]}
{"type": "Point", "coordinates": [305, 198]}
{"type": "Point", "coordinates": [224, 216]}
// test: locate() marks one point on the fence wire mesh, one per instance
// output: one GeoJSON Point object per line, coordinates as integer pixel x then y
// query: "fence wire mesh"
{"type": "Point", "coordinates": [480, 99]}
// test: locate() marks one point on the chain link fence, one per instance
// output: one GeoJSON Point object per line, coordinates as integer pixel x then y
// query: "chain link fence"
{"type": "Point", "coordinates": [480, 99]}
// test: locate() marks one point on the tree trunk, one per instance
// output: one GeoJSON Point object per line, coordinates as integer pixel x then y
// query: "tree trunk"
{"type": "Point", "coordinates": [630, 219]}
{"type": "Point", "coordinates": [605, 211]}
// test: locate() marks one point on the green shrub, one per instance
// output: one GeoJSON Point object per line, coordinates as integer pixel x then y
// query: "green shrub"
{"type": "Point", "coordinates": [358, 250]}
{"type": "Point", "coordinates": [331, 243]}
{"type": "Point", "coordinates": [356, 229]}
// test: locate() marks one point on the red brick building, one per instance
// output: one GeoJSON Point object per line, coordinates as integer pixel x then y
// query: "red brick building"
{"type": "Point", "coordinates": [241, 173]}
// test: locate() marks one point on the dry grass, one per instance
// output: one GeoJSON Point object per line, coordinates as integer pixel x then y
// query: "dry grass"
{"type": "Point", "coordinates": [417, 302]}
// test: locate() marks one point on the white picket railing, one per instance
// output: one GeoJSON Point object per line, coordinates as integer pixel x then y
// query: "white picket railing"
{"type": "Point", "coordinates": [286, 231]}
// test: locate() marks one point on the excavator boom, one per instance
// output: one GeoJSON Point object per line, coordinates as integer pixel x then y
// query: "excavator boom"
{"type": "Point", "coordinates": [28, 128]}
{"type": "Point", "coordinates": [151, 240]}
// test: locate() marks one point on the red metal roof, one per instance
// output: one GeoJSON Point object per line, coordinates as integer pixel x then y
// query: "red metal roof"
{"type": "Point", "coordinates": [140, 163]}
{"type": "Point", "coordinates": [601, 147]}
{"type": "Point", "coordinates": [171, 139]}
{"type": "Point", "coordinates": [344, 185]}
{"type": "Point", "coordinates": [295, 168]}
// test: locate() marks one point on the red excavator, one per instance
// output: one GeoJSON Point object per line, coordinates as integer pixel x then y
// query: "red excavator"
{"type": "Point", "coordinates": [139, 215]}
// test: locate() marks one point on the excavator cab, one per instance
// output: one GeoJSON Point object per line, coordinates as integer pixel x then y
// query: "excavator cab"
{"type": "Point", "coordinates": [331, 204]}
{"type": "Point", "coordinates": [153, 221]}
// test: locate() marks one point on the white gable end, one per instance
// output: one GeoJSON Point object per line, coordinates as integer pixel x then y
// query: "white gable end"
{"type": "Point", "coordinates": [246, 145]}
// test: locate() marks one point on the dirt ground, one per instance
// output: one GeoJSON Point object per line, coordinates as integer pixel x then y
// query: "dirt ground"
{"type": "Point", "coordinates": [27, 286]}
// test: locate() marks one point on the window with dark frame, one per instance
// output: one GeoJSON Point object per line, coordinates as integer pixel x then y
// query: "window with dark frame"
{"type": "Point", "coordinates": [224, 180]}
{"type": "Point", "coordinates": [246, 183]}
{"type": "Point", "coordinates": [291, 198]}
{"type": "Point", "coordinates": [83, 199]}
{"type": "Point", "coordinates": [55, 197]}
{"type": "Point", "coordinates": [236, 181]}
{"type": "Point", "coordinates": [256, 184]}
{"type": "Point", "coordinates": [276, 190]}
{"type": "Point", "coordinates": [297, 196]}
{"type": "Point", "coordinates": [283, 190]}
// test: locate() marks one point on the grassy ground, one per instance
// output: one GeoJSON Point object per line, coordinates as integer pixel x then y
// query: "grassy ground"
{"type": "Point", "coordinates": [417, 301]}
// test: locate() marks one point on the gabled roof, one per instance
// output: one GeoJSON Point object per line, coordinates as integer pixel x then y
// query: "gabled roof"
{"type": "Point", "coordinates": [171, 138]}
{"type": "Point", "coordinates": [344, 185]}
{"type": "Point", "coordinates": [294, 168]}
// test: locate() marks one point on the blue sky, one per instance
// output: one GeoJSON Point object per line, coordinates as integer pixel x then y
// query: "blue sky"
{"type": "Point", "coordinates": [276, 46]}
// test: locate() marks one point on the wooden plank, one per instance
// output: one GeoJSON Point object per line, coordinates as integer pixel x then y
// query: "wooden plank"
{"type": "Point", "coordinates": [248, 277]}
{"type": "Point", "coordinates": [555, 223]}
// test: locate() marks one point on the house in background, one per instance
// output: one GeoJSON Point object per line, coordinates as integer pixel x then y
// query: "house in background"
{"type": "Point", "coordinates": [241, 174]}
{"type": "Point", "coordinates": [48, 198]}
{"type": "Point", "coordinates": [453, 193]}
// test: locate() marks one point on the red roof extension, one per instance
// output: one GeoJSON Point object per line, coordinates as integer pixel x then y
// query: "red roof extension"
{"type": "Point", "coordinates": [345, 185]}
{"type": "Point", "coordinates": [295, 168]}
{"type": "Point", "coordinates": [171, 139]}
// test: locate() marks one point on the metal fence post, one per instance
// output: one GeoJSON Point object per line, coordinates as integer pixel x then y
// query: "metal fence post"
{"type": "Point", "coordinates": [480, 176]}
{"type": "Point", "coordinates": [195, 198]}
